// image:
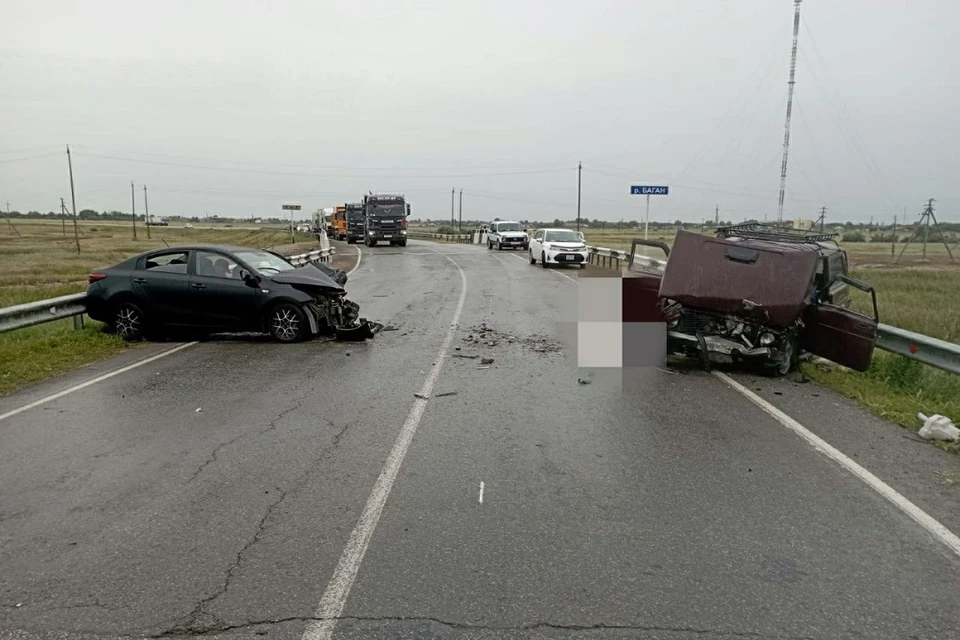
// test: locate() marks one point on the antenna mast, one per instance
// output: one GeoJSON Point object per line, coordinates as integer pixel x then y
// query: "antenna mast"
{"type": "Point", "coordinates": [786, 125]}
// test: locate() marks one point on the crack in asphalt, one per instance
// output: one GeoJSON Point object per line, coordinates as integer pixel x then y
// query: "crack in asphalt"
{"type": "Point", "coordinates": [535, 626]}
{"type": "Point", "coordinates": [216, 452]}
{"type": "Point", "coordinates": [191, 624]}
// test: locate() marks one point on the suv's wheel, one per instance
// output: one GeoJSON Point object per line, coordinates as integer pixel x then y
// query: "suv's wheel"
{"type": "Point", "coordinates": [489, 246]}
{"type": "Point", "coordinates": [530, 255]}
{"type": "Point", "coordinates": [543, 260]}
{"type": "Point", "coordinates": [789, 357]}
{"type": "Point", "coordinates": [128, 321]}
{"type": "Point", "coordinates": [287, 323]}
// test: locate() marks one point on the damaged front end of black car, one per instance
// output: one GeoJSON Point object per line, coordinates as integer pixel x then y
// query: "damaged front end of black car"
{"type": "Point", "coordinates": [328, 311]}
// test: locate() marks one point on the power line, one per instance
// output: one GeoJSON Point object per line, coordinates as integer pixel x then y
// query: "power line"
{"type": "Point", "coordinates": [45, 155]}
{"type": "Point", "coordinates": [321, 175]}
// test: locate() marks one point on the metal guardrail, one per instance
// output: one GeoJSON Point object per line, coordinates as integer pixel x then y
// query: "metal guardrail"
{"type": "Point", "coordinates": [916, 346]}
{"type": "Point", "coordinates": [32, 313]}
{"type": "Point", "coordinates": [464, 238]}
{"type": "Point", "coordinates": [74, 306]}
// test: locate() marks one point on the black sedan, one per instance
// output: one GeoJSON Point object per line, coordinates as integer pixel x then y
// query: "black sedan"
{"type": "Point", "coordinates": [219, 288]}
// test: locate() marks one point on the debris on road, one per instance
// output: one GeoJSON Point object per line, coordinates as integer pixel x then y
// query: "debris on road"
{"type": "Point", "coordinates": [466, 355]}
{"type": "Point", "coordinates": [446, 393]}
{"type": "Point", "coordinates": [584, 381]}
{"type": "Point", "coordinates": [486, 360]}
{"type": "Point", "coordinates": [938, 427]}
{"type": "Point", "coordinates": [483, 368]}
{"type": "Point", "coordinates": [483, 335]}
{"type": "Point", "coordinates": [199, 409]}
{"type": "Point", "coordinates": [420, 395]}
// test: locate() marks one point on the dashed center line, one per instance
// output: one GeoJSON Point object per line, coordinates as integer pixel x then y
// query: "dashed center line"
{"type": "Point", "coordinates": [481, 492]}
{"type": "Point", "coordinates": [335, 596]}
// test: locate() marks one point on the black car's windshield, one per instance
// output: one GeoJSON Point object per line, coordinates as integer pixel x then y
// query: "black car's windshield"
{"type": "Point", "coordinates": [509, 226]}
{"type": "Point", "coordinates": [561, 236]}
{"type": "Point", "coordinates": [264, 262]}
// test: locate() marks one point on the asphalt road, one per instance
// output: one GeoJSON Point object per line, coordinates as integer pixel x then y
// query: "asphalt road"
{"type": "Point", "coordinates": [214, 492]}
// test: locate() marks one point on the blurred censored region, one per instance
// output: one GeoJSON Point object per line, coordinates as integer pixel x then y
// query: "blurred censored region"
{"type": "Point", "coordinates": [619, 328]}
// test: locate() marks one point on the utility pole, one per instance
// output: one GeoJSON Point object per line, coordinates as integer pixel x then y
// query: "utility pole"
{"type": "Point", "coordinates": [893, 237]}
{"type": "Point", "coordinates": [63, 217]}
{"type": "Point", "coordinates": [133, 206]}
{"type": "Point", "coordinates": [786, 124]}
{"type": "Point", "coordinates": [579, 172]}
{"type": "Point", "coordinates": [73, 202]}
{"type": "Point", "coordinates": [461, 212]}
{"type": "Point", "coordinates": [716, 216]}
{"type": "Point", "coordinates": [453, 194]}
{"type": "Point", "coordinates": [10, 222]}
{"type": "Point", "coordinates": [146, 210]}
{"type": "Point", "coordinates": [823, 213]}
{"type": "Point", "coordinates": [926, 217]}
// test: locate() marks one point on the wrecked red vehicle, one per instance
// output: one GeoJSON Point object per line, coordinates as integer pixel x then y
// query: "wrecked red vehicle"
{"type": "Point", "coordinates": [752, 294]}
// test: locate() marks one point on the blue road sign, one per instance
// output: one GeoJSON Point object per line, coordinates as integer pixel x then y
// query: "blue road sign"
{"type": "Point", "coordinates": [648, 190]}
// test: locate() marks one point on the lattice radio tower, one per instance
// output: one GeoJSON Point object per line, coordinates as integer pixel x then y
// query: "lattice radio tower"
{"type": "Point", "coordinates": [786, 125]}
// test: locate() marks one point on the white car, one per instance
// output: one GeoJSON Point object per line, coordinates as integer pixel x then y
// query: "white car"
{"type": "Point", "coordinates": [504, 233]}
{"type": "Point", "coordinates": [558, 246]}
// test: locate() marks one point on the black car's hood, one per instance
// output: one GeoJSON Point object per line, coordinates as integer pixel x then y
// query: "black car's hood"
{"type": "Point", "coordinates": [307, 275]}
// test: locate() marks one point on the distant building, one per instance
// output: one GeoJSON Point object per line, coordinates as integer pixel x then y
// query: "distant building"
{"type": "Point", "coordinates": [803, 224]}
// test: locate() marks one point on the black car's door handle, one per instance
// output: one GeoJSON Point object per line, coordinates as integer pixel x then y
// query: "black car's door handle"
{"type": "Point", "coordinates": [197, 285]}
{"type": "Point", "coordinates": [140, 280]}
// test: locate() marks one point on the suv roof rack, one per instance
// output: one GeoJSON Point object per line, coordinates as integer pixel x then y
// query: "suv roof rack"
{"type": "Point", "coordinates": [774, 233]}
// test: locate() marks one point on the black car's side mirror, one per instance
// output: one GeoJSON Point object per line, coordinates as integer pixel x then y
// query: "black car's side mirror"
{"type": "Point", "coordinates": [249, 278]}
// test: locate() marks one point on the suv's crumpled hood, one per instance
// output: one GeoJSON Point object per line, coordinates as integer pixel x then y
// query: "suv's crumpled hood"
{"type": "Point", "coordinates": [308, 275]}
{"type": "Point", "coordinates": [719, 275]}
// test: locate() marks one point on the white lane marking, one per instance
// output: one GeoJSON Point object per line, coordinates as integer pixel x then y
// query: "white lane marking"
{"type": "Point", "coordinates": [559, 273]}
{"type": "Point", "coordinates": [356, 266]}
{"type": "Point", "coordinates": [100, 378]}
{"type": "Point", "coordinates": [481, 492]}
{"type": "Point", "coordinates": [920, 516]}
{"type": "Point", "coordinates": [335, 597]}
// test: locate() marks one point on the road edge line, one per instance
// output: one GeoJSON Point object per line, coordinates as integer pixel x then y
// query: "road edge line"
{"type": "Point", "coordinates": [356, 266]}
{"type": "Point", "coordinates": [100, 378]}
{"type": "Point", "coordinates": [338, 589]}
{"type": "Point", "coordinates": [918, 515]}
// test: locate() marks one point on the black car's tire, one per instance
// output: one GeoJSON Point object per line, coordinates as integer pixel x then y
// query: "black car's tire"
{"type": "Point", "coordinates": [128, 321]}
{"type": "Point", "coordinates": [530, 256]}
{"type": "Point", "coordinates": [286, 322]}
{"type": "Point", "coordinates": [543, 260]}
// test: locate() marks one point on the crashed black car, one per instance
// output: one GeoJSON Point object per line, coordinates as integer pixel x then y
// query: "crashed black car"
{"type": "Point", "coordinates": [219, 289]}
{"type": "Point", "coordinates": [752, 294]}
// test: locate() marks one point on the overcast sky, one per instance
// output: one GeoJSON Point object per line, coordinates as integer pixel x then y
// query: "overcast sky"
{"type": "Point", "coordinates": [235, 107]}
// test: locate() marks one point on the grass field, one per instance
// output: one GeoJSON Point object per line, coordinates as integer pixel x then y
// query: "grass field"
{"type": "Point", "coordinates": [42, 263]}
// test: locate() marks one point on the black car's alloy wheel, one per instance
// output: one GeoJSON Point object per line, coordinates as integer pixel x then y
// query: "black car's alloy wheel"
{"type": "Point", "coordinates": [287, 323]}
{"type": "Point", "coordinates": [128, 321]}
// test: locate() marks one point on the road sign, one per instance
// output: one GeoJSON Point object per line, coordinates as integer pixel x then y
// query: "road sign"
{"type": "Point", "coordinates": [649, 190]}
{"type": "Point", "coordinates": [291, 207]}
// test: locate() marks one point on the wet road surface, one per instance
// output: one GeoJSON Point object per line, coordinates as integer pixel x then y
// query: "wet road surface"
{"type": "Point", "coordinates": [219, 491]}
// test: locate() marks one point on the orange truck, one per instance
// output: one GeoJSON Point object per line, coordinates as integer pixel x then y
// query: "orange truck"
{"type": "Point", "coordinates": [339, 222]}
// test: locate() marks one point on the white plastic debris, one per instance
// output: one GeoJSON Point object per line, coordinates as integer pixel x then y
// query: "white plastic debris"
{"type": "Point", "coordinates": [199, 409]}
{"type": "Point", "coordinates": [938, 427]}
